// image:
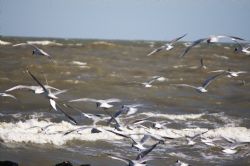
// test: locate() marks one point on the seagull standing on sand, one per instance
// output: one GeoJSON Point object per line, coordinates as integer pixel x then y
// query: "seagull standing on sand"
{"type": "Point", "coordinates": [168, 46]}
{"type": "Point", "coordinates": [36, 51]}
{"type": "Point", "coordinates": [51, 98]}
{"type": "Point", "coordinates": [202, 88]}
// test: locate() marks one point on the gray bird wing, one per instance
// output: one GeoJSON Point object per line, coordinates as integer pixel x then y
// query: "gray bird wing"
{"type": "Point", "coordinates": [37, 81]}
{"type": "Point", "coordinates": [192, 45]}
{"type": "Point", "coordinates": [146, 152]}
{"type": "Point", "coordinates": [178, 38]}
{"type": "Point", "coordinates": [212, 78]}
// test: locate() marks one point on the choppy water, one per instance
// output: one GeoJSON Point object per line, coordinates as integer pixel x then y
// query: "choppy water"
{"type": "Point", "coordinates": [116, 69]}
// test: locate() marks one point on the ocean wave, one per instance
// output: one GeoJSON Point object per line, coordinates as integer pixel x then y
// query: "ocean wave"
{"type": "Point", "coordinates": [4, 43]}
{"type": "Point", "coordinates": [46, 132]}
{"type": "Point", "coordinates": [174, 117]}
{"type": "Point", "coordinates": [45, 42]}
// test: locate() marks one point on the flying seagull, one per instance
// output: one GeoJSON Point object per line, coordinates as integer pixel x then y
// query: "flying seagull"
{"type": "Point", "coordinates": [230, 73]}
{"type": "Point", "coordinates": [210, 39]}
{"type": "Point", "coordinates": [181, 163]}
{"type": "Point", "coordinates": [242, 49]}
{"type": "Point", "coordinates": [148, 84]}
{"type": "Point", "coordinates": [36, 51]}
{"type": "Point", "coordinates": [141, 158]}
{"type": "Point", "coordinates": [94, 117]}
{"type": "Point", "coordinates": [35, 89]}
{"type": "Point", "coordinates": [51, 97]}
{"type": "Point", "coordinates": [205, 84]}
{"type": "Point", "coordinates": [168, 46]}
{"type": "Point", "coordinates": [99, 103]}
{"type": "Point", "coordinates": [126, 109]}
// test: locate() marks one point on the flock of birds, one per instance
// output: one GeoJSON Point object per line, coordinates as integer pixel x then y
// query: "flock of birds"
{"type": "Point", "coordinates": [51, 94]}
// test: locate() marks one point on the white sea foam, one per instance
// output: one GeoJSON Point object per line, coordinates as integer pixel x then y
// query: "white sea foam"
{"type": "Point", "coordinates": [80, 64]}
{"type": "Point", "coordinates": [239, 134]}
{"type": "Point", "coordinates": [45, 42]}
{"type": "Point", "coordinates": [30, 131]}
{"type": "Point", "coordinates": [174, 117]}
{"type": "Point", "coordinates": [4, 42]}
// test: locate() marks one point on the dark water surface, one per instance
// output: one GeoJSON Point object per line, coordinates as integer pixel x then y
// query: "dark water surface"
{"type": "Point", "coordinates": [116, 69]}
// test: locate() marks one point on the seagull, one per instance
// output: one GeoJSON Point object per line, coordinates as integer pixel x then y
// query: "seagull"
{"type": "Point", "coordinates": [135, 144]}
{"type": "Point", "coordinates": [95, 117]}
{"type": "Point", "coordinates": [51, 97]}
{"type": "Point", "coordinates": [191, 139]}
{"type": "Point", "coordinates": [141, 158]}
{"type": "Point", "coordinates": [168, 46]}
{"type": "Point", "coordinates": [136, 123]}
{"type": "Point", "coordinates": [140, 145]}
{"type": "Point", "coordinates": [216, 38]}
{"type": "Point", "coordinates": [202, 89]}
{"type": "Point", "coordinates": [148, 84]}
{"type": "Point", "coordinates": [181, 163]}
{"type": "Point", "coordinates": [139, 162]}
{"type": "Point", "coordinates": [242, 49]}
{"type": "Point", "coordinates": [36, 51]}
{"type": "Point", "coordinates": [99, 103]}
{"type": "Point", "coordinates": [7, 95]}
{"type": "Point", "coordinates": [159, 125]}
{"type": "Point", "coordinates": [210, 39]}
{"type": "Point", "coordinates": [126, 109]}
{"type": "Point", "coordinates": [227, 149]}
{"type": "Point", "coordinates": [230, 73]}
{"type": "Point", "coordinates": [36, 89]}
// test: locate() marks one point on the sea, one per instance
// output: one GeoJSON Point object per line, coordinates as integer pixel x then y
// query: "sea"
{"type": "Point", "coordinates": [32, 133]}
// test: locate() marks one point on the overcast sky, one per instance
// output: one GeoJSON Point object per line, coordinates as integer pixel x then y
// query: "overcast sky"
{"type": "Point", "coordinates": [125, 19]}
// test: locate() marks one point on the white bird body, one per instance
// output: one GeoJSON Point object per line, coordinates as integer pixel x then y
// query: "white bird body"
{"type": "Point", "coordinates": [181, 163]}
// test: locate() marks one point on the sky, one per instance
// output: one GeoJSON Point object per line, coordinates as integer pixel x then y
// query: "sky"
{"type": "Point", "coordinates": [125, 19]}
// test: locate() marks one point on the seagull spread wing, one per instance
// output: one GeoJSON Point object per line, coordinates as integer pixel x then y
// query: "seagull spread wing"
{"type": "Point", "coordinates": [126, 160]}
{"type": "Point", "coordinates": [186, 85]}
{"type": "Point", "coordinates": [192, 45]}
{"type": "Point", "coordinates": [38, 82]}
{"type": "Point", "coordinates": [84, 99]}
{"type": "Point", "coordinates": [56, 107]}
{"type": "Point", "coordinates": [156, 50]}
{"type": "Point", "coordinates": [178, 38]}
{"type": "Point", "coordinates": [22, 87]}
{"type": "Point", "coordinates": [210, 79]}
{"type": "Point", "coordinates": [7, 95]}
{"type": "Point", "coordinates": [112, 100]}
